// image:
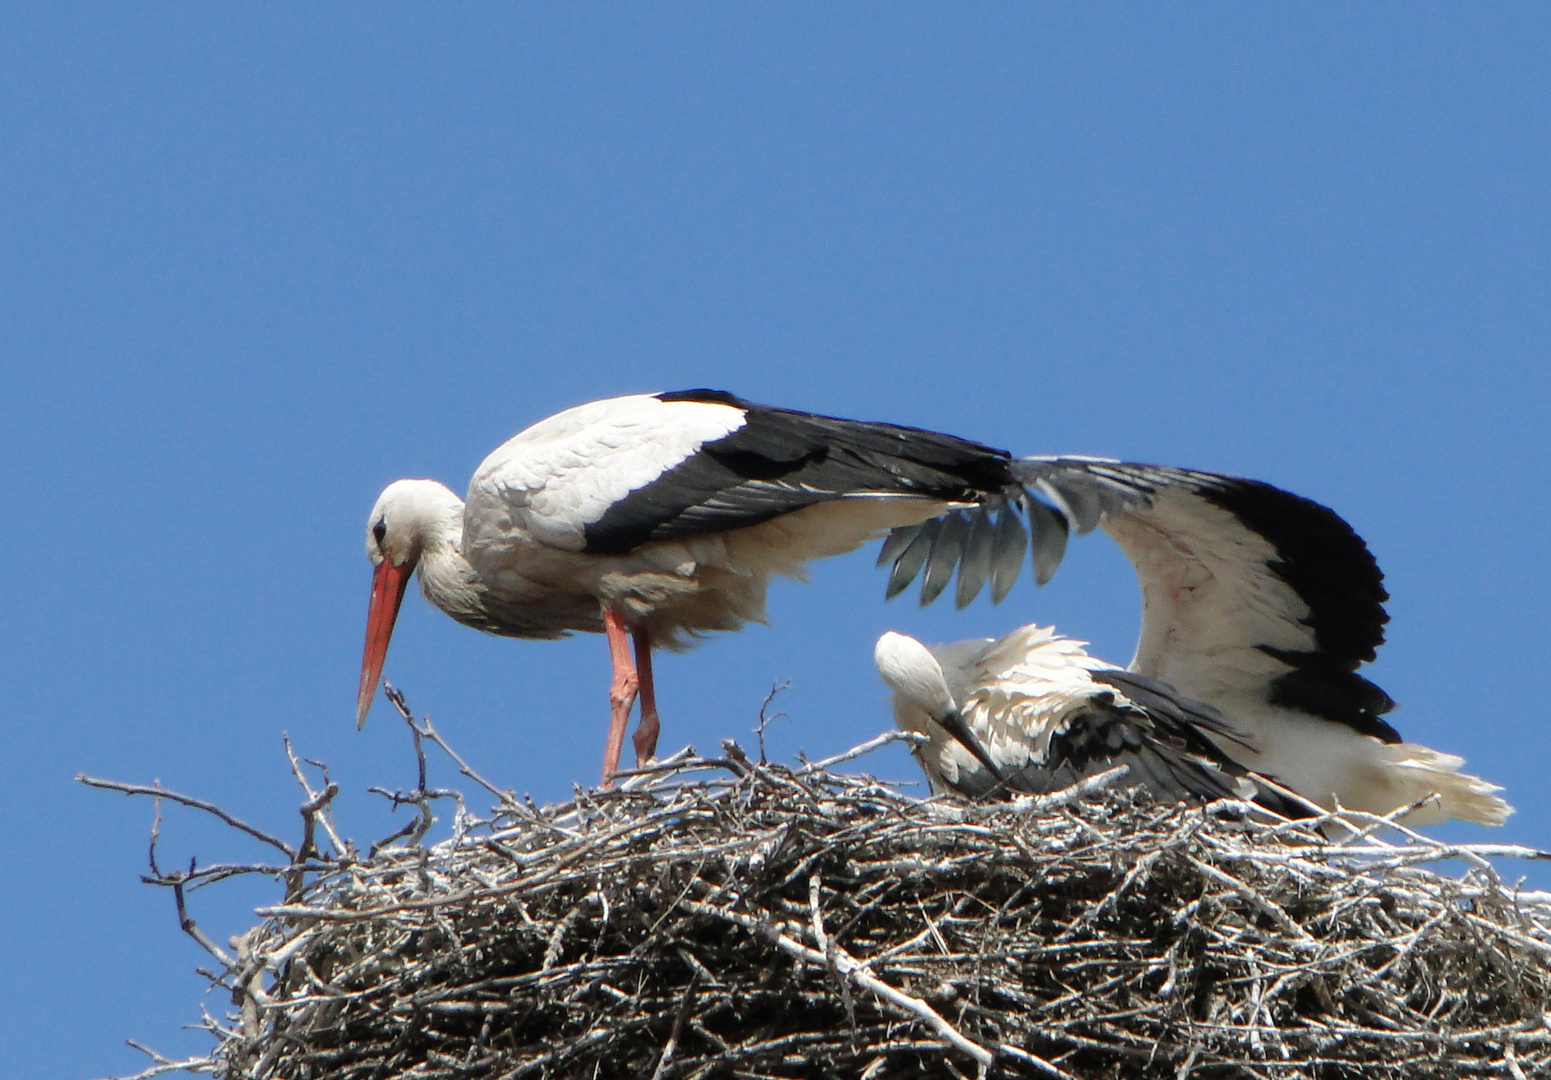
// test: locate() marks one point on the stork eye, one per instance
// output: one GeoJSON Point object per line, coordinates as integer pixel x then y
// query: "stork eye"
{"type": "Point", "coordinates": [380, 530]}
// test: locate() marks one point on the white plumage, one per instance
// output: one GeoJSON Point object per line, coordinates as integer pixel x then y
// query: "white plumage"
{"type": "Point", "coordinates": [1033, 712]}
{"type": "Point", "coordinates": [555, 478]}
{"type": "Point", "coordinates": [1258, 608]}
{"type": "Point", "coordinates": [1015, 694]}
{"type": "Point", "coordinates": [660, 517]}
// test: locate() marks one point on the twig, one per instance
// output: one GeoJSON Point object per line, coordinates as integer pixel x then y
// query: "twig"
{"type": "Point", "coordinates": [159, 792]}
{"type": "Point", "coordinates": [1038, 804]}
{"type": "Point", "coordinates": [311, 810]}
{"type": "Point", "coordinates": [428, 730]}
{"type": "Point", "coordinates": [165, 1065]}
{"type": "Point", "coordinates": [765, 718]}
{"type": "Point", "coordinates": [852, 968]}
{"type": "Point", "coordinates": [855, 752]}
{"type": "Point", "coordinates": [187, 924]}
{"type": "Point", "coordinates": [322, 798]}
{"type": "Point", "coordinates": [1283, 920]}
{"type": "Point", "coordinates": [665, 1059]}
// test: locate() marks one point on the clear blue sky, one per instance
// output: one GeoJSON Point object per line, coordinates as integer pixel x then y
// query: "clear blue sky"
{"type": "Point", "coordinates": [258, 261]}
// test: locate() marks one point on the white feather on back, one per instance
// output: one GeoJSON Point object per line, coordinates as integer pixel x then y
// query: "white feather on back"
{"type": "Point", "coordinates": [562, 474]}
{"type": "Point", "coordinates": [1021, 690]}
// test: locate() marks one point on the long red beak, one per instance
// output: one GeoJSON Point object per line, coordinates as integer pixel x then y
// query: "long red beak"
{"type": "Point", "coordinates": [388, 584]}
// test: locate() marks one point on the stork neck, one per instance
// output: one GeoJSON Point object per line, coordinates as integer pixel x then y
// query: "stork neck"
{"type": "Point", "coordinates": [449, 582]}
{"type": "Point", "coordinates": [446, 577]}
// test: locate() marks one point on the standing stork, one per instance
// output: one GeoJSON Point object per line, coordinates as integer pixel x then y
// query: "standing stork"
{"type": "Point", "coordinates": [661, 517]}
{"type": "Point", "coordinates": [1258, 607]}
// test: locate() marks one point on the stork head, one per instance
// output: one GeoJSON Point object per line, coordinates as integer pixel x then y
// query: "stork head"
{"type": "Point", "coordinates": [920, 689]}
{"type": "Point", "coordinates": [409, 515]}
{"type": "Point", "coordinates": [923, 701]}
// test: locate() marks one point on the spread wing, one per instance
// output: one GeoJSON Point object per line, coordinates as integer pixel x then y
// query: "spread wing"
{"type": "Point", "coordinates": [1250, 594]}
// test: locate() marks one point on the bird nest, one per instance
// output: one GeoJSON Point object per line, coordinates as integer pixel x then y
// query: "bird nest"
{"type": "Point", "coordinates": [721, 917]}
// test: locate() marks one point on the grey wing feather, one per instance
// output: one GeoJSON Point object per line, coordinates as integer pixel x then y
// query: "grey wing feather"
{"type": "Point", "coordinates": [975, 567]}
{"type": "Point", "coordinates": [946, 550]}
{"type": "Point", "coordinates": [1077, 503]}
{"type": "Point", "coordinates": [1049, 529]}
{"type": "Point", "coordinates": [897, 541]}
{"type": "Point", "coordinates": [1060, 494]}
{"type": "Point", "coordinates": [1007, 559]}
{"type": "Point", "coordinates": [910, 561]}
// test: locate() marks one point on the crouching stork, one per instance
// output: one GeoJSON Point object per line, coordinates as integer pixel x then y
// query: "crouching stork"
{"type": "Point", "coordinates": [659, 517]}
{"type": "Point", "coordinates": [1258, 607]}
{"type": "Point", "coordinates": [1032, 713]}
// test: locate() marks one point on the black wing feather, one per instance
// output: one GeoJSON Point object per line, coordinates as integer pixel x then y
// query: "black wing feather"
{"type": "Point", "coordinates": [1324, 561]}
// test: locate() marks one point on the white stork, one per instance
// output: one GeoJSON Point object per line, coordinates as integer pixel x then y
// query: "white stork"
{"type": "Point", "coordinates": [1258, 607]}
{"type": "Point", "coordinates": [662, 517]}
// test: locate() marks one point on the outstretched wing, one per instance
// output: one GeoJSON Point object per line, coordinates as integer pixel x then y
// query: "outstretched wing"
{"type": "Point", "coordinates": [1249, 593]}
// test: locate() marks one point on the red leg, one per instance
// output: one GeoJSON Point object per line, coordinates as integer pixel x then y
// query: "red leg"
{"type": "Point", "coordinates": [646, 730]}
{"type": "Point", "coordinates": [622, 692]}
